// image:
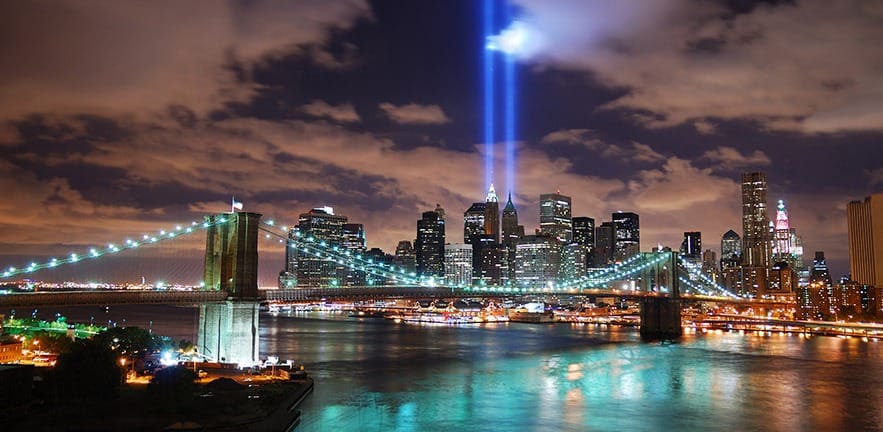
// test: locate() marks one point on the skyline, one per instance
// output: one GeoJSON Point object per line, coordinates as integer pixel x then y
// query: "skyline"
{"type": "Point", "coordinates": [111, 126]}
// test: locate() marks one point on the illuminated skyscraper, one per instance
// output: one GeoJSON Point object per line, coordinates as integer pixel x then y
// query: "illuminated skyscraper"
{"type": "Point", "coordinates": [692, 245]}
{"type": "Point", "coordinates": [512, 232]}
{"type": "Point", "coordinates": [492, 215]}
{"type": "Point", "coordinates": [756, 239]}
{"type": "Point", "coordinates": [755, 221]}
{"type": "Point", "coordinates": [731, 250]}
{"type": "Point", "coordinates": [627, 235]}
{"type": "Point", "coordinates": [731, 261]}
{"type": "Point", "coordinates": [430, 244]}
{"type": "Point", "coordinates": [604, 241]}
{"type": "Point", "coordinates": [405, 256]}
{"type": "Point", "coordinates": [865, 227]}
{"type": "Point", "coordinates": [536, 261]}
{"type": "Point", "coordinates": [555, 217]}
{"type": "Point", "coordinates": [458, 264]}
{"type": "Point", "coordinates": [817, 299]}
{"type": "Point", "coordinates": [322, 225]}
{"type": "Point", "coordinates": [584, 235]}
{"type": "Point", "coordinates": [474, 221]}
{"type": "Point", "coordinates": [354, 242]}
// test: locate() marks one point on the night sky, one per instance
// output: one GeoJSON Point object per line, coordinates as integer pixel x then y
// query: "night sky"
{"type": "Point", "coordinates": [121, 117]}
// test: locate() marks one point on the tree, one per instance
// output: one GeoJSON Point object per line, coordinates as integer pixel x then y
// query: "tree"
{"type": "Point", "coordinates": [173, 387]}
{"type": "Point", "coordinates": [87, 371]}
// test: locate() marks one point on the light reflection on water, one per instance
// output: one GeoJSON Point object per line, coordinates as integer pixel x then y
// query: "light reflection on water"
{"type": "Point", "coordinates": [376, 375]}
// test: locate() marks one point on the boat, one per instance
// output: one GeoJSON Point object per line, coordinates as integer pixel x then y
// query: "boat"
{"type": "Point", "coordinates": [532, 317]}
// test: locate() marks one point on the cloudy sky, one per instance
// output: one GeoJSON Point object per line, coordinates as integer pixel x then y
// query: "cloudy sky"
{"type": "Point", "coordinates": [121, 117]}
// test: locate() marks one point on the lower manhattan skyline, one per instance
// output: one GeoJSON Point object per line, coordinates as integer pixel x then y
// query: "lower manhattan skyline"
{"type": "Point", "coordinates": [375, 108]}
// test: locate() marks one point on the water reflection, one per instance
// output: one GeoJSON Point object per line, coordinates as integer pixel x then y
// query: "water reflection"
{"type": "Point", "coordinates": [375, 375]}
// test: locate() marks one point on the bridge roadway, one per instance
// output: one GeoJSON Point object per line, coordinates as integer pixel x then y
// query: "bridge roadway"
{"type": "Point", "coordinates": [107, 297]}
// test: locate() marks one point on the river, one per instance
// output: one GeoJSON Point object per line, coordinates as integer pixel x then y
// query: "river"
{"type": "Point", "coordinates": [374, 375]}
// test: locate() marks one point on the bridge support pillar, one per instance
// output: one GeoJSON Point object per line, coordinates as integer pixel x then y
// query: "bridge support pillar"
{"type": "Point", "coordinates": [228, 332]}
{"type": "Point", "coordinates": [660, 318]}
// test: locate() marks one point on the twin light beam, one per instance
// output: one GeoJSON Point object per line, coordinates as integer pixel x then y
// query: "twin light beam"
{"type": "Point", "coordinates": [511, 42]}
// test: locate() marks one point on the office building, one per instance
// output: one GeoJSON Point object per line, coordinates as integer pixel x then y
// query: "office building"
{"type": "Point", "coordinates": [474, 221]}
{"type": "Point", "coordinates": [492, 215]}
{"type": "Point", "coordinates": [604, 241]}
{"type": "Point", "coordinates": [627, 235]}
{"type": "Point", "coordinates": [322, 225]}
{"type": "Point", "coordinates": [430, 244]}
{"type": "Point", "coordinates": [584, 235]}
{"type": "Point", "coordinates": [536, 261]}
{"type": "Point", "coordinates": [555, 217]}
{"type": "Point", "coordinates": [458, 264]}
{"type": "Point", "coordinates": [865, 230]}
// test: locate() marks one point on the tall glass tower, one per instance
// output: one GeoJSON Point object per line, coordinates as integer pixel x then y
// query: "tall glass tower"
{"type": "Point", "coordinates": [755, 221]}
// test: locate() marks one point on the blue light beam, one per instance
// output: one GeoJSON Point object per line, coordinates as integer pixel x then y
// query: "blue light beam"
{"type": "Point", "coordinates": [488, 14]}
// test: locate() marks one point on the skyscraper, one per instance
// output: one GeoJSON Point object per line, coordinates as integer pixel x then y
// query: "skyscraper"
{"type": "Point", "coordinates": [627, 235]}
{"type": "Point", "coordinates": [584, 235]}
{"type": "Point", "coordinates": [492, 215]}
{"type": "Point", "coordinates": [555, 217]}
{"type": "Point", "coordinates": [865, 226]}
{"type": "Point", "coordinates": [536, 261]}
{"type": "Point", "coordinates": [322, 225]}
{"type": "Point", "coordinates": [692, 244]}
{"type": "Point", "coordinates": [458, 264]}
{"type": "Point", "coordinates": [353, 241]}
{"type": "Point", "coordinates": [430, 244]}
{"type": "Point", "coordinates": [756, 234]}
{"type": "Point", "coordinates": [731, 250]}
{"type": "Point", "coordinates": [512, 233]}
{"type": "Point", "coordinates": [755, 221]}
{"type": "Point", "coordinates": [817, 300]}
{"type": "Point", "coordinates": [604, 241]}
{"type": "Point", "coordinates": [731, 261]}
{"type": "Point", "coordinates": [405, 256]}
{"type": "Point", "coordinates": [511, 230]}
{"type": "Point", "coordinates": [474, 221]}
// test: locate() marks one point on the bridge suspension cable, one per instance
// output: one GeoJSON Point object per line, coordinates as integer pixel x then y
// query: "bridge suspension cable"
{"type": "Point", "coordinates": [161, 236]}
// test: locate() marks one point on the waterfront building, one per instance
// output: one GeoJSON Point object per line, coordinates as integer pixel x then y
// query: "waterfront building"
{"type": "Point", "coordinates": [817, 300]}
{"type": "Point", "coordinates": [536, 261]}
{"type": "Point", "coordinates": [865, 228]}
{"type": "Point", "coordinates": [555, 217]}
{"type": "Point", "coordinates": [458, 264]}
{"type": "Point", "coordinates": [783, 279]}
{"type": "Point", "coordinates": [604, 240]}
{"type": "Point", "coordinates": [627, 235]}
{"type": "Point", "coordinates": [430, 244]}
